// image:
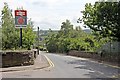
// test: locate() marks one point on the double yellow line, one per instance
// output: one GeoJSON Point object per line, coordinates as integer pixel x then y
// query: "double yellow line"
{"type": "Point", "coordinates": [50, 62]}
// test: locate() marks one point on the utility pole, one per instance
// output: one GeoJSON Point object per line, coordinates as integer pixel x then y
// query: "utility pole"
{"type": "Point", "coordinates": [38, 40]}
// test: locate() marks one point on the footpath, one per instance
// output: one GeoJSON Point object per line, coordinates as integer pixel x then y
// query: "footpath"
{"type": "Point", "coordinates": [40, 63]}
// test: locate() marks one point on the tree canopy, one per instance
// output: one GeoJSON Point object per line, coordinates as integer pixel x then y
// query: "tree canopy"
{"type": "Point", "coordinates": [9, 34]}
{"type": "Point", "coordinates": [69, 38]}
{"type": "Point", "coordinates": [103, 18]}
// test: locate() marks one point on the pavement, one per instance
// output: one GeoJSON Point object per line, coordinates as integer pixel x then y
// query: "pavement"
{"type": "Point", "coordinates": [40, 62]}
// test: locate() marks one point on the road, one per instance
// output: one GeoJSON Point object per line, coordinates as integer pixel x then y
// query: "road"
{"type": "Point", "coordinates": [63, 66]}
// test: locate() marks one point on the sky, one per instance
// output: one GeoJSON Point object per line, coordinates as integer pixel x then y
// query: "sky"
{"type": "Point", "coordinates": [49, 13]}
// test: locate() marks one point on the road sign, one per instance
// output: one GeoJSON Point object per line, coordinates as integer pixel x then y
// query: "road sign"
{"type": "Point", "coordinates": [20, 21]}
{"type": "Point", "coordinates": [20, 18]}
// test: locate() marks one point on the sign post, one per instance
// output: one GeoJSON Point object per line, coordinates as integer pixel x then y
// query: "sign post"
{"type": "Point", "coordinates": [20, 37]}
{"type": "Point", "coordinates": [20, 21]}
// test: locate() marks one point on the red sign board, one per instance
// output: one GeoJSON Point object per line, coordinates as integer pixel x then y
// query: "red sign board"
{"type": "Point", "coordinates": [20, 18]}
{"type": "Point", "coordinates": [20, 12]}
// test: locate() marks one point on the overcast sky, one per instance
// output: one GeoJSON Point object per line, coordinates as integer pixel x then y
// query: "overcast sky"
{"type": "Point", "coordinates": [49, 13]}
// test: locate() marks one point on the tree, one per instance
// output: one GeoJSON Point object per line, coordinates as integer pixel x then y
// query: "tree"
{"type": "Point", "coordinates": [103, 18]}
{"type": "Point", "coordinates": [66, 28]}
{"type": "Point", "coordinates": [28, 35]}
{"type": "Point", "coordinates": [0, 38]}
{"type": "Point", "coordinates": [51, 43]}
{"type": "Point", "coordinates": [9, 33]}
{"type": "Point", "coordinates": [69, 39]}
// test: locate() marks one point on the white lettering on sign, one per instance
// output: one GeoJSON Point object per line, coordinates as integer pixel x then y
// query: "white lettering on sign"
{"type": "Point", "coordinates": [21, 13]}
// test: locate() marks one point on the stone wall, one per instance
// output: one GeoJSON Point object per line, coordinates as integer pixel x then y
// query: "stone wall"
{"type": "Point", "coordinates": [18, 58]}
{"type": "Point", "coordinates": [97, 56]}
{"type": "Point", "coordinates": [84, 54]}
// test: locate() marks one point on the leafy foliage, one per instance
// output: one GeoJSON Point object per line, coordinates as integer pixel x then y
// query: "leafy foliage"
{"type": "Point", "coordinates": [72, 39]}
{"type": "Point", "coordinates": [103, 18]}
{"type": "Point", "coordinates": [28, 35]}
{"type": "Point", "coordinates": [0, 38]}
{"type": "Point", "coordinates": [9, 34]}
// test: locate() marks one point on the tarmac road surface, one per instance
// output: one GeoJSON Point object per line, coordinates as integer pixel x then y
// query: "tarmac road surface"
{"type": "Point", "coordinates": [63, 66]}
